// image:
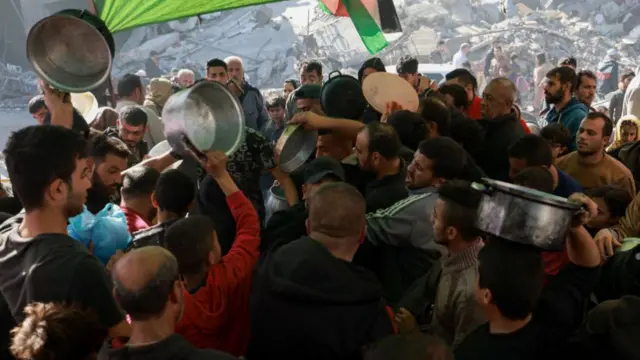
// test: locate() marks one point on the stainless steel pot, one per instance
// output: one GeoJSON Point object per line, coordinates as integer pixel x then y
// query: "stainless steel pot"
{"type": "Point", "coordinates": [524, 215]}
{"type": "Point", "coordinates": [295, 145]}
{"type": "Point", "coordinates": [71, 50]}
{"type": "Point", "coordinates": [206, 115]}
{"type": "Point", "coordinates": [275, 202]}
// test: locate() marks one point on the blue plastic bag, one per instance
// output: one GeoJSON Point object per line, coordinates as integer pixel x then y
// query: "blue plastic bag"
{"type": "Point", "coordinates": [107, 230]}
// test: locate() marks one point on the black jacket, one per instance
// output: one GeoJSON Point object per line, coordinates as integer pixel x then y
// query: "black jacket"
{"type": "Point", "coordinates": [500, 134]}
{"type": "Point", "coordinates": [175, 347]}
{"type": "Point", "coordinates": [308, 304]}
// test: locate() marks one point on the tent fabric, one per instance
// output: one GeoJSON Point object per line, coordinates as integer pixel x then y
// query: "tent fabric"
{"type": "Point", "coordinates": [122, 15]}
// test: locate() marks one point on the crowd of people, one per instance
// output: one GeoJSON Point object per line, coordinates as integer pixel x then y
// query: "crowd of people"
{"type": "Point", "coordinates": [376, 254]}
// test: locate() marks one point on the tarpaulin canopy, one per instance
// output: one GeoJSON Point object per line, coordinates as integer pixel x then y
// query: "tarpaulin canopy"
{"type": "Point", "coordinates": [122, 15]}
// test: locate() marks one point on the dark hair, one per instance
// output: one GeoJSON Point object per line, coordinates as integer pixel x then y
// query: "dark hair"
{"type": "Point", "coordinates": [461, 206]}
{"type": "Point", "coordinates": [410, 127]}
{"type": "Point", "coordinates": [383, 139]}
{"type": "Point", "coordinates": [534, 149]}
{"type": "Point", "coordinates": [190, 240]}
{"type": "Point", "coordinates": [139, 181]}
{"type": "Point", "coordinates": [448, 157]}
{"type": "Point", "coordinates": [310, 66]}
{"type": "Point", "coordinates": [541, 58]}
{"type": "Point", "coordinates": [407, 65]}
{"type": "Point", "coordinates": [464, 76]}
{"type": "Point", "coordinates": [217, 63]}
{"type": "Point", "coordinates": [458, 93]}
{"type": "Point", "coordinates": [276, 101]}
{"type": "Point", "coordinates": [627, 74]}
{"type": "Point", "coordinates": [128, 84]}
{"type": "Point", "coordinates": [566, 75]}
{"type": "Point", "coordinates": [412, 346]}
{"type": "Point", "coordinates": [373, 63]}
{"type": "Point", "coordinates": [149, 300]}
{"type": "Point", "coordinates": [175, 191]}
{"type": "Point", "coordinates": [607, 127]}
{"type": "Point", "coordinates": [133, 115]}
{"type": "Point", "coordinates": [536, 177]}
{"type": "Point", "coordinates": [514, 274]}
{"type": "Point", "coordinates": [440, 42]}
{"type": "Point", "coordinates": [556, 133]}
{"type": "Point", "coordinates": [336, 209]}
{"type": "Point", "coordinates": [586, 73]}
{"type": "Point", "coordinates": [468, 133]}
{"type": "Point", "coordinates": [54, 331]}
{"type": "Point", "coordinates": [293, 83]}
{"type": "Point", "coordinates": [35, 156]}
{"type": "Point", "coordinates": [568, 61]}
{"type": "Point", "coordinates": [36, 104]}
{"type": "Point", "coordinates": [100, 145]}
{"type": "Point", "coordinates": [616, 198]}
{"type": "Point", "coordinates": [436, 111]}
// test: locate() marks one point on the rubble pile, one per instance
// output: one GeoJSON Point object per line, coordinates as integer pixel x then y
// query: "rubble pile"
{"type": "Point", "coordinates": [16, 85]}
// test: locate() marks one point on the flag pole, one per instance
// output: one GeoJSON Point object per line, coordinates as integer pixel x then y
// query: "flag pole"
{"type": "Point", "coordinates": [94, 11]}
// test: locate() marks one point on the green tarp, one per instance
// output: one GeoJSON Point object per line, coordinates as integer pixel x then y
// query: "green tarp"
{"type": "Point", "coordinates": [122, 15]}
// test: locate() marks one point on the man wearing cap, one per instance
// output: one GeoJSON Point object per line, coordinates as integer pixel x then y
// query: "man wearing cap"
{"type": "Point", "coordinates": [310, 73]}
{"type": "Point", "coordinates": [307, 98]}
{"type": "Point", "coordinates": [289, 224]}
{"type": "Point", "coordinates": [608, 73]}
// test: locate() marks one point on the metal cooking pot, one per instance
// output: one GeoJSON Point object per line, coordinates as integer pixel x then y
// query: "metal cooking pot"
{"type": "Point", "coordinates": [71, 50]}
{"type": "Point", "coordinates": [295, 145]}
{"type": "Point", "coordinates": [341, 97]}
{"type": "Point", "coordinates": [524, 215]}
{"type": "Point", "coordinates": [207, 116]}
{"type": "Point", "coordinates": [275, 202]}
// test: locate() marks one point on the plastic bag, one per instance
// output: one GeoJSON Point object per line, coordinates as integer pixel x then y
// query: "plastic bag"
{"type": "Point", "coordinates": [107, 230]}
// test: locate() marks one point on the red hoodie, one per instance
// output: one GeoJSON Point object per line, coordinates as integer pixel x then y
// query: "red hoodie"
{"type": "Point", "coordinates": [474, 112]}
{"type": "Point", "coordinates": [217, 315]}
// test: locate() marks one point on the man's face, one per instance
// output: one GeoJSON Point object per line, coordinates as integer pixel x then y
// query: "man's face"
{"type": "Point", "coordinates": [497, 51]}
{"type": "Point", "coordinates": [310, 77]}
{"type": "Point", "coordinates": [557, 150]}
{"type": "Point", "coordinates": [494, 102]}
{"type": "Point", "coordinates": [217, 73]}
{"type": "Point", "coordinates": [138, 96]}
{"type": "Point", "coordinates": [288, 89]}
{"type": "Point", "coordinates": [236, 71]}
{"type": "Point", "coordinates": [603, 219]}
{"type": "Point", "coordinates": [411, 78]}
{"type": "Point", "coordinates": [362, 151]}
{"type": "Point", "coordinates": [586, 93]}
{"type": "Point", "coordinates": [467, 88]}
{"type": "Point", "coordinates": [628, 132]}
{"type": "Point", "coordinates": [276, 114]}
{"type": "Point", "coordinates": [186, 80]}
{"type": "Point", "coordinates": [554, 91]}
{"type": "Point", "coordinates": [70, 196]}
{"type": "Point", "coordinates": [308, 105]}
{"type": "Point", "coordinates": [40, 114]}
{"type": "Point", "coordinates": [516, 166]}
{"type": "Point", "coordinates": [590, 138]}
{"type": "Point", "coordinates": [108, 172]}
{"type": "Point", "coordinates": [420, 172]}
{"type": "Point", "coordinates": [368, 71]}
{"type": "Point", "coordinates": [625, 82]}
{"type": "Point", "coordinates": [131, 135]}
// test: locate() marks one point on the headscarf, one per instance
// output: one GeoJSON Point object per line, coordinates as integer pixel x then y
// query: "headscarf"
{"type": "Point", "coordinates": [617, 136]}
{"type": "Point", "coordinates": [158, 92]}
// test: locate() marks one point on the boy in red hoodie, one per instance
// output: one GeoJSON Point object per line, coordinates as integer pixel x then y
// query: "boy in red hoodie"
{"type": "Point", "coordinates": [216, 311]}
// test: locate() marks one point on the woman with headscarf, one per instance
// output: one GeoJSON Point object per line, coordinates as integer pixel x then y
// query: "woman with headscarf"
{"type": "Point", "coordinates": [369, 67]}
{"type": "Point", "coordinates": [627, 130]}
{"type": "Point", "coordinates": [158, 92]}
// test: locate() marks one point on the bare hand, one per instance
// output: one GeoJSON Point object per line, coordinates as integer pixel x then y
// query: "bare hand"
{"type": "Point", "coordinates": [588, 204]}
{"type": "Point", "coordinates": [606, 243]}
{"type": "Point", "coordinates": [391, 107]}
{"type": "Point", "coordinates": [424, 83]}
{"type": "Point", "coordinates": [216, 164]}
{"type": "Point", "coordinates": [308, 119]}
{"type": "Point", "coordinates": [58, 103]}
{"type": "Point", "coordinates": [406, 322]}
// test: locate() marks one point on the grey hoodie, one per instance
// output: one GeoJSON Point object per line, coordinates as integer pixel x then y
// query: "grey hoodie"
{"type": "Point", "coordinates": [631, 102]}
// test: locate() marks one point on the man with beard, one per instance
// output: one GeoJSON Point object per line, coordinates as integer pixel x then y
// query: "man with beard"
{"type": "Point", "coordinates": [590, 165]}
{"type": "Point", "coordinates": [252, 102]}
{"type": "Point", "coordinates": [39, 262]}
{"type": "Point", "coordinates": [148, 286]}
{"type": "Point", "coordinates": [109, 156]}
{"type": "Point", "coordinates": [403, 230]}
{"type": "Point", "coordinates": [131, 128]}
{"type": "Point", "coordinates": [131, 93]}
{"type": "Point", "coordinates": [586, 88]}
{"type": "Point", "coordinates": [565, 108]}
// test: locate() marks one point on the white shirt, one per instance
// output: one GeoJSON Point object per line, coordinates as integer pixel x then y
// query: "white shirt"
{"type": "Point", "coordinates": [458, 59]}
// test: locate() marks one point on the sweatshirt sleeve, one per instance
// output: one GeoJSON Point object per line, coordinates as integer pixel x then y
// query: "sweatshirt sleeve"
{"type": "Point", "coordinates": [632, 105]}
{"type": "Point", "coordinates": [243, 256]}
{"type": "Point", "coordinates": [628, 224]}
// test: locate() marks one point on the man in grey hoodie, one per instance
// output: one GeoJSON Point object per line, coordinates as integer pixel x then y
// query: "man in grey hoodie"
{"type": "Point", "coordinates": [404, 230]}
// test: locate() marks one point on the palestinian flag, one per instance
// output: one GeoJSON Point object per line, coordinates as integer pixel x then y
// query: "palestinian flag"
{"type": "Point", "coordinates": [372, 19]}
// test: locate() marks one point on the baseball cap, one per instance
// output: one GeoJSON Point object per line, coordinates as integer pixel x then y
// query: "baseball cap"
{"type": "Point", "coordinates": [322, 167]}
{"type": "Point", "coordinates": [308, 91]}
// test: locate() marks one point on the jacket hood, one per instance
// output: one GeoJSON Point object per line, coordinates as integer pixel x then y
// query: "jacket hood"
{"type": "Point", "coordinates": [173, 347]}
{"type": "Point", "coordinates": [158, 91]}
{"type": "Point", "coordinates": [617, 139]}
{"type": "Point", "coordinates": [306, 270]}
{"type": "Point", "coordinates": [574, 104]}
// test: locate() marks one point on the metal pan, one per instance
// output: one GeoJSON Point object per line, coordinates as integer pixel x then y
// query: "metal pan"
{"type": "Point", "coordinates": [295, 145]}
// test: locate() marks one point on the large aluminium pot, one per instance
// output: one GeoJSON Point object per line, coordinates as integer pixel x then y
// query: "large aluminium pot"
{"type": "Point", "coordinates": [72, 50]}
{"type": "Point", "coordinates": [204, 117]}
{"type": "Point", "coordinates": [524, 215]}
{"type": "Point", "coordinates": [341, 97]}
{"type": "Point", "coordinates": [276, 201]}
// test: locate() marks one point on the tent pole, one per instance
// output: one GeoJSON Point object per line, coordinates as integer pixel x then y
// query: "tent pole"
{"type": "Point", "coordinates": [94, 11]}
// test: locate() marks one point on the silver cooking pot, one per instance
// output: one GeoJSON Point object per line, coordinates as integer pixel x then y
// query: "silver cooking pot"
{"type": "Point", "coordinates": [72, 50]}
{"type": "Point", "coordinates": [204, 117]}
{"type": "Point", "coordinates": [295, 145]}
{"type": "Point", "coordinates": [276, 201]}
{"type": "Point", "coordinates": [524, 215]}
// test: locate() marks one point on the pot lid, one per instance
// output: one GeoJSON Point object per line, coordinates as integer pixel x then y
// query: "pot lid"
{"type": "Point", "coordinates": [381, 88]}
{"type": "Point", "coordinates": [526, 193]}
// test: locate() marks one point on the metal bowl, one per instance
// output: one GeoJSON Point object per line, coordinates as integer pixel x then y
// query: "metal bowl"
{"type": "Point", "coordinates": [295, 145]}
{"type": "Point", "coordinates": [208, 115]}
{"type": "Point", "coordinates": [71, 50]}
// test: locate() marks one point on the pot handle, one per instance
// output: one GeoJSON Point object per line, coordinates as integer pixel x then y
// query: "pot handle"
{"type": "Point", "coordinates": [483, 187]}
{"type": "Point", "coordinates": [333, 72]}
{"type": "Point", "coordinates": [189, 145]}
